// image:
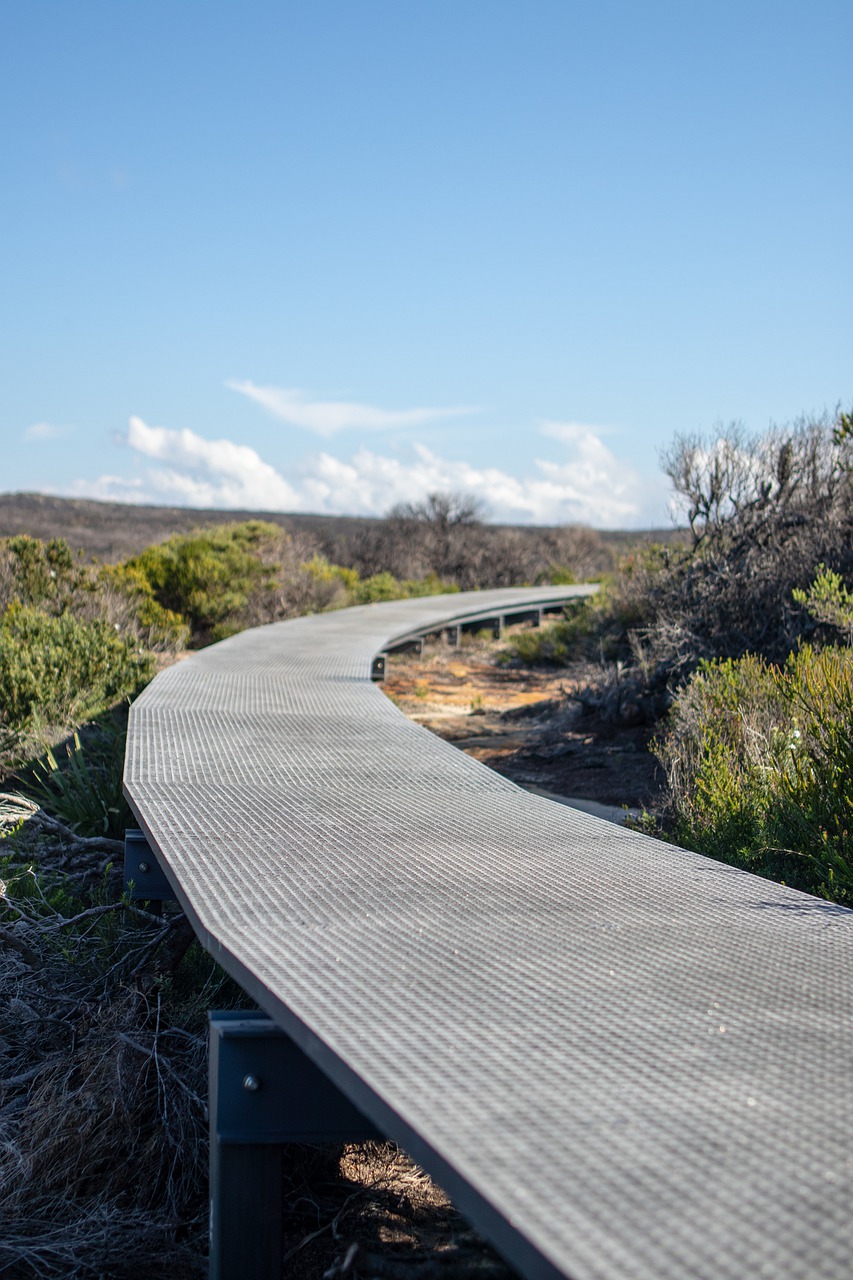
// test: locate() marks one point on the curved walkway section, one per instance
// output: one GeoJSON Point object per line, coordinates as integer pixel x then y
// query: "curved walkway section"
{"type": "Point", "coordinates": [624, 1061]}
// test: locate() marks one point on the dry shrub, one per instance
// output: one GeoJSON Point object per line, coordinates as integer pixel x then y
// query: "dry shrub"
{"type": "Point", "coordinates": [103, 1082]}
{"type": "Point", "coordinates": [765, 511]}
{"type": "Point", "coordinates": [446, 536]}
{"type": "Point", "coordinates": [103, 1070]}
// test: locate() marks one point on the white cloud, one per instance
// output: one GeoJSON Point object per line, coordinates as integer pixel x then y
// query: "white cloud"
{"type": "Point", "coordinates": [325, 417]}
{"type": "Point", "coordinates": [590, 485]}
{"type": "Point", "coordinates": [44, 431]}
{"type": "Point", "coordinates": [210, 473]}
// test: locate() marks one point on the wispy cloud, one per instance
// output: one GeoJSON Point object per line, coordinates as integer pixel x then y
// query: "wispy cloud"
{"type": "Point", "coordinates": [326, 417]}
{"type": "Point", "coordinates": [590, 485]}
{"type": "Point", "coordinates": [44, 431]}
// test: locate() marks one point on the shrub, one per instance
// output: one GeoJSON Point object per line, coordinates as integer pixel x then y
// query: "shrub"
{"type": "Point", "coordinates": [346, 587]}
{"type": "Point", "coordinates": [815, 815]}
{"type": "Point", "coordinates": [82, 784]}
{"type": "Point", "coordinates": [55, 671]}
{"type": "Point", "coordinates": [759, 761]}
{"type": "Point", "coordinates": [384, 586]}
{"type": "Point", "coordinates": [558, 575]}
{"type": "Point", "coordinates": [332, 584]}
{"type": "Point", "coordinates": [44, 574]}
{"type": "Point", "coordinates": [597, 629]}
{"type": "Point", "coordinates": [158, 628]}
{"type": "Point", "coordinates": [545, 646]}
{"type": "Point", "coordinates": [829, 602]}
{"type": "Point", "coordinates": [208, 577]}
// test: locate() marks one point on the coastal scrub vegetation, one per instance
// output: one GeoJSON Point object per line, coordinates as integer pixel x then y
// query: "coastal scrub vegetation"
{"type": "Point", "coordinates": [736, 648]}
{"type": "Point", "coordinates": [733, 644]}
{"type": "Point", "coordinates": [77, 638]}
{"type": "Point", "coordinates": [103, 1022]}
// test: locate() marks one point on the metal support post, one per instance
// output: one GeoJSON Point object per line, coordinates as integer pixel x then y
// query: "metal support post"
{"type": "Point", "coordinates": [497, 628]}
{"type": "Point", "coordinates": [452, 635]}
{"type": "Point", "coordinates": [377, 667]}
{"type": "Point", "coordinates": [264, 1093]}
{"type": "Point", "coordinates": [144, 879]}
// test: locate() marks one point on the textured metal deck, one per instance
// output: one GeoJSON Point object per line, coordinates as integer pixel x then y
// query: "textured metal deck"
{"type": "Point", "coordinates": [624, 1061]}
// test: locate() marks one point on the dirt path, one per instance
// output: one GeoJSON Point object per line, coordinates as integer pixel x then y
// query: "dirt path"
{"type": "Point", "coordinates": [524, 724]}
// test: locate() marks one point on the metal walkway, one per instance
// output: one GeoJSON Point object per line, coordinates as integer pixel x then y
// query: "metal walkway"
{"type": "Point", "coordinates": [622, 1060]}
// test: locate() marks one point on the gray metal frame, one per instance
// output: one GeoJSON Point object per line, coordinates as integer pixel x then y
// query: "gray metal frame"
{"type": "Point", "coordinates": [144, 878]}
{"type": "Point", "coordinates": [622, 1060]}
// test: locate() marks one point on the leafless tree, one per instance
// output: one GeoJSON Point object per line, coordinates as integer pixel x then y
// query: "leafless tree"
{"type": "Point", "coordinates": [764, 512]}
{"type": "Point", "coordinates": [447, 535]}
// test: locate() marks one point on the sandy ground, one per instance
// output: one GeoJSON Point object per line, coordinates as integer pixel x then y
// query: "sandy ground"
{"type": "Point", "coordinates": [524, 724]}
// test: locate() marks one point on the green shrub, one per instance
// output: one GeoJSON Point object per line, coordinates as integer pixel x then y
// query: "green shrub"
{"type": "Point", "coordinates": [554, 644]}
{"type": "Point", "coordinates": [82, 784]}
{"type": "Point", "coordinates": [353, 589]}
{"type": "Point", "coordinates": [320, 570]}
{"type": "Point", "coordinates": [45, 574]}
{"type": "Point", "coordinates": [546, 646]}
{"type": "Point", "coordinates": [609, 626]}
{"type": "Point", "coordinates": [57, 671]}
{"type": "Point", "coordinates": [558, 575]}
{"type": "Point", "coordinates": [159, 628]}
{"type": "Point", "coordinates": [829, 602]}
{"type": "Point", "coordinates": [384, 586]}
{"type": "Point", "coordinates": [209, 577]}
{"type": "Point", "coordinates": [815, 815]}
{"type": "Point", "coordinates": [759, 761]}
{"type": "Point", "coordinates": [381, 586]}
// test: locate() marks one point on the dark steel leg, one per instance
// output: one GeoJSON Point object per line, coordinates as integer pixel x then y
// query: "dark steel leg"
{"type": "Point", "coordinates": [264, 1093]}
{"type": "Point", "coordinates": [246, 1224]}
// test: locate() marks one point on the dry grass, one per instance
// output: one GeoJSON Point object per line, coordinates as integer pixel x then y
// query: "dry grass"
{"type": "Point", "coordinates": [102, 1092]}
{"type": "Point", "coordinates": [103, 1081]}
{"type": "Point", "coordinates": [368, 1211]}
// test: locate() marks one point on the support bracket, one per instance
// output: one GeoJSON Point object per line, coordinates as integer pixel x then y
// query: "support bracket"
{"type": "Point", "coordinates": [144, 878]}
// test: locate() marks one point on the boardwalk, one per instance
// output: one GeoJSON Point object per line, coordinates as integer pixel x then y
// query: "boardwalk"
{"type": "Point", "coordinates": [622, 1060]}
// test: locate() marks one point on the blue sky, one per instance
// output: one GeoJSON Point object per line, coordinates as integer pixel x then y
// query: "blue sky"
{"type": "Point", "coordinates": [330, 255]}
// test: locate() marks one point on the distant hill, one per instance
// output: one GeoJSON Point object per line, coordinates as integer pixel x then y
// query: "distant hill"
{"type": "Point", "coordinates": [115, 530]}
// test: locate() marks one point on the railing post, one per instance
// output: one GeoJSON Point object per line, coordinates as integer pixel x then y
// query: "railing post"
{"type": "Point", "coordinates": [264, 1093]}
